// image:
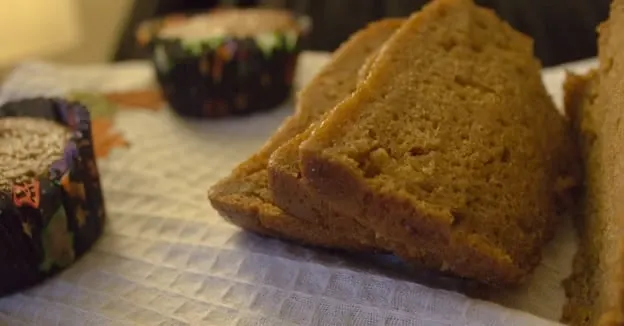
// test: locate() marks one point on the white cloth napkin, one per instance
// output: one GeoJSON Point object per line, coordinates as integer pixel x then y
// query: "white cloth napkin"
{"type": "Point", "coordinates": [166, 258]}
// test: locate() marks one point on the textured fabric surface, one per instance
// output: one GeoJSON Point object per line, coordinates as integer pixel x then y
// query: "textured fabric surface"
{"type": "Point", "coordinates": [166, 258]}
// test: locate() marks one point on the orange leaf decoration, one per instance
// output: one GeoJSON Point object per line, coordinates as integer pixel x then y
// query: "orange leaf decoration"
{"type": "Point", "coordinates": [139, 99]}
{"type": "Point", "coordinates": [105, 138]}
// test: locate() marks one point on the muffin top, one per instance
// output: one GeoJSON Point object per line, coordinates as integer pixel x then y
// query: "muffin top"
{"type": "Point", "coordinates": [237, 23]}
{"type": "Point", "coordinates": [28, 146]}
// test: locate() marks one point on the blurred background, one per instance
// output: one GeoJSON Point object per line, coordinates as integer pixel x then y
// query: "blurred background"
{"type": "Point", "coordinates": [564, 30]}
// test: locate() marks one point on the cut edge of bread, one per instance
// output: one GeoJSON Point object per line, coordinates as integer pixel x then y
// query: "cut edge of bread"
{"type": "Point", "coordinates": [595, 101]}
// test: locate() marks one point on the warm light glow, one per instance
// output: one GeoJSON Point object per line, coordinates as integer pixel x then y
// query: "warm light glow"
{"type": "Point", "coordinates": [37, 27]}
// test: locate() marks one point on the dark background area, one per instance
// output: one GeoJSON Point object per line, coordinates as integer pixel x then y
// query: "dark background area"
{"type": "Point", "coordinates": [563, 30]}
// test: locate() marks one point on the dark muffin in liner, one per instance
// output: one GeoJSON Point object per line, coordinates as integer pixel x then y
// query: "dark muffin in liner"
{"type": "Point", "coordinates": [51, 203]}
{"type": "Point", "coordinates": [225, 62]}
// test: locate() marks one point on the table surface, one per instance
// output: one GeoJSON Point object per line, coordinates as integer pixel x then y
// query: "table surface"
{"type": "Point", "coordinates": [166, 258]}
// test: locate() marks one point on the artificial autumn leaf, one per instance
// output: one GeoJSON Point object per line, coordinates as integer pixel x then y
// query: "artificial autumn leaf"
{"type": "Point", "coordinates": [137, 99]}
{"type": "Point", "coordinates": [105, 138]}
{"type": "Point", "coordinates": [103, 107]}
{"type": "Point", "coordinates": [99, 106]}
{"type": "Point", "coordinates": [102, 111]}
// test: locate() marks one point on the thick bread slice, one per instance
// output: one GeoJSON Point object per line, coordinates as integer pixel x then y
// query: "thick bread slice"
{"type": "Point", "coordinates": [596, 104]}
{"type": "Point", "coordinates": [451, 149]}
{"type": "Point", "coordinates": [243, 196]}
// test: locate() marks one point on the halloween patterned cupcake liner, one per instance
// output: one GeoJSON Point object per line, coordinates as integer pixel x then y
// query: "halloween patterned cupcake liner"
{"type": "Point", "coordinates": [224, 76]}
{"type": "Point", "coordinates": [48, 221]}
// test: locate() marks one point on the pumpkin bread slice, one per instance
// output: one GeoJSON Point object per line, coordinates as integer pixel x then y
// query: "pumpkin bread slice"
{"type": "Point", "coordinates": [451, 149]}
{"type": "Point", "coordinates": [595, 104]}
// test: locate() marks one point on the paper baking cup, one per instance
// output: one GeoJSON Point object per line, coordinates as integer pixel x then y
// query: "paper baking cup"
{"type": "Point", "coordinates": [48, 221]}
{"type": "Point", "coordinates": [224, 76]}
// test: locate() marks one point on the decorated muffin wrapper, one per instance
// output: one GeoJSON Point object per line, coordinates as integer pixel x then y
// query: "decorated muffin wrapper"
{"type": "Point", "coordinates": [47, 222]}
{"type": "Point", "coordinates": [224, 76]}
